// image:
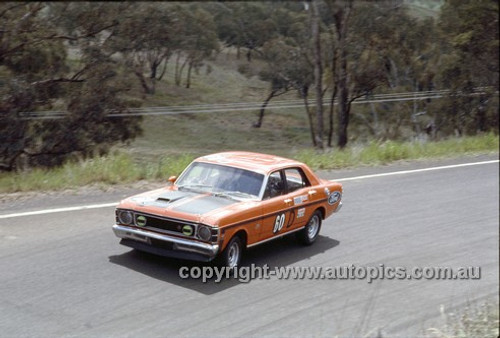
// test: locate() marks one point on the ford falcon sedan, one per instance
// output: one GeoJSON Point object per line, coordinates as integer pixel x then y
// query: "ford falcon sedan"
{"type": "Point", "coordinates": [223, 203]}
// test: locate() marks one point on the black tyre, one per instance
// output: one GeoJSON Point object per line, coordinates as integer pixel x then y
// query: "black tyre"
{"type": "Point", "coordinates": [309, 234]}
{"type": "Point", "coordinates": [231, 256]}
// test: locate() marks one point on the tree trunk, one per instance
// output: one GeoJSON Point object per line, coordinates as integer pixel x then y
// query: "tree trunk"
{"type": "Point", "coordinates": [142, 80]}
{"type": "Point", "coordinates": [331, 117]}
{"type": "Point", "coordinates": [481, 114]}
{"type": "Point", "coordinates": [176, 74]}
{"type": "Point", "coordinates": [164, 70]}
{"type": "Point", "coordinates": [344, 104]}
{"type": "Point", "coordinates": [188, 81]}
{"type": "Point", "coordinates": [258, 124]}
{"type": "Point", "coordinates": [179, 69]}
{"type": "Point", "coordinates": [343, 116]}
{"type": "Point", "coordinates": [334, 90]}
{"type": "Point", "coordinates": [318, 75]}
{"type": "Point", "coordinates": [153, 68]}
{"type": "Point", "coordinates": [304, 93]}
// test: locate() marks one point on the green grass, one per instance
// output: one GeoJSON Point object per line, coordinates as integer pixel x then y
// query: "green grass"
{"type": "Point", "coordinates": [123, 167]}
{"type": "Point", "coordinates": [382, 153]}
{"type": "Point", "coordinates": [119, 168]}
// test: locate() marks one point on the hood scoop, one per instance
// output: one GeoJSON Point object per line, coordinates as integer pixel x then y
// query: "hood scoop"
{"type": "Point", "coordinates": [163, 200]}
{"type": "Point", "coordinates": [172, 196]}
{"type": "Point", "coordinates": [168, 200]}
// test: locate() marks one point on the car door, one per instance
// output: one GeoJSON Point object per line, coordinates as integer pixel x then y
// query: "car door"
{"type": "Point", "coordinates": [302, 197]}
{"type": "Point", "coordinates": [276, 209]}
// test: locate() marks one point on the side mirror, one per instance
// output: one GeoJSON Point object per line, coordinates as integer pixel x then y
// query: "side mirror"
{"type": "Point", "coordinates": [172, 179]}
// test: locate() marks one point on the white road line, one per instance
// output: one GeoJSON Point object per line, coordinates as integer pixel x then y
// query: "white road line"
{"type": "Point", "coordinates": [404, 172]}
{"type": "Point", "coordinates": [106, 205]}
{"type": "Point", "coordinates": [50, 211]}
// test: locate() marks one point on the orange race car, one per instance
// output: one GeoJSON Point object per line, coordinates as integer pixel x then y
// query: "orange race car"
{"type": "Point", "coordinates": [226, 202]}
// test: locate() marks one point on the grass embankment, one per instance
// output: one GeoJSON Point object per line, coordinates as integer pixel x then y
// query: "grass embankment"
{"type": "Point", "coordinates": [390, 151]}
{"type": "Point", "coordinates": [120, 167]}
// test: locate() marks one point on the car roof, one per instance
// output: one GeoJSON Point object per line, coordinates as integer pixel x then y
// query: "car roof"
{"type": "Point", "coordinates": [262, 163]}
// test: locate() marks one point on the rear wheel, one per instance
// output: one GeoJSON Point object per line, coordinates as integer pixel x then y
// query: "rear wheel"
{"type": "Point", "coordinates": [231, 256]}
{"type": "Point", "coordinates": [310, 233]}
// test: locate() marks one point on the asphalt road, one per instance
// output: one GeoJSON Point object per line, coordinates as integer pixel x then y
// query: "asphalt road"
{"type": "Point", "coordinates": [64, 274]}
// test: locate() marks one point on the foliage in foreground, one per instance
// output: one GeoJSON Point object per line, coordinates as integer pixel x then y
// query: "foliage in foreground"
{"type": "Point", "coordinates": [476, 321]}
{"type": "Point", "coordinates": [120, 168]}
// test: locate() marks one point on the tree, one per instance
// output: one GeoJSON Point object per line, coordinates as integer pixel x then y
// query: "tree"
{"type": "Point", "coordinates": [37, 41]}
{"type": "Point", "coordinates": [199, 38]}
{"type": "Point", "coordinates": [370, 43]}
{"type": "Point", "coordinates": [341, 15]}
{"type": "Point", "coordinates": [146, 37]}
{"type": "Point", "coordinates": [277, 55]}
{"type": "Point", "coordinates": [471, 40]}
{"type": "Point", "coordinates": [289, 67]}
{"type": "Point", "coordinates": [244, 25]}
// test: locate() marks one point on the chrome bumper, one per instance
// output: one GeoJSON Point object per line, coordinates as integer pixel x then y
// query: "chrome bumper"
{"type": "Point", "coordinates": [165, 245]}
{"type": "Point", "coordinates": [338, 207]}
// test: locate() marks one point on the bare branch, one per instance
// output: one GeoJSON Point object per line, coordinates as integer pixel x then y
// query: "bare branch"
{"type": "Point", "coordinates": [12, 7]}
{"type": "Point", "coordinates": [50, 81]}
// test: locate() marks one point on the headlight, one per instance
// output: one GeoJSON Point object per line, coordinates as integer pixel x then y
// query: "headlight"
{"type": "Point", "coordinates": [204, 233]}
{"type": "Point", "coordinates": [187, 230]}
{"type": "Point", "coordinates": [125, 217]}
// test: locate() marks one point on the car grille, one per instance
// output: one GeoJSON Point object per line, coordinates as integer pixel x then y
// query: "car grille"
{"type": "Point", "coordinates": [166, 225]}
{"type": "Point", "coordinates": [160, 223]}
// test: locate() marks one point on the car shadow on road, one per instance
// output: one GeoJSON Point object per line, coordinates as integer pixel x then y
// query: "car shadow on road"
{"type": "Point", "coordinates": [279, 253]}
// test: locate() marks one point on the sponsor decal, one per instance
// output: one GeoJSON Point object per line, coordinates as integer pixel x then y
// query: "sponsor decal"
{"type": "Point", "coordinates": [301, 212]}
{"type": "Point", "coordinates": [334, 198]}
{"type": "Point", "coordinates": [187, 230]}
{"type": "Point", "coordinates": [140, 221]}
{"type": "Point", "coordinates": [300, 199]}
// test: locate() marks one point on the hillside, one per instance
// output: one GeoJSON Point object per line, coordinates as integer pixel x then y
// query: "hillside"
{"type": "Point", "coordinates": [218, 81]}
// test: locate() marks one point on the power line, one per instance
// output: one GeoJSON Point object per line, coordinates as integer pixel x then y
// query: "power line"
{"type": "Point", "coordinates": [247, 106]}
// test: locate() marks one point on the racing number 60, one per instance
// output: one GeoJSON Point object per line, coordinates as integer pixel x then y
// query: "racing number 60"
{"type": "Point", "coordinates": [278, 224]}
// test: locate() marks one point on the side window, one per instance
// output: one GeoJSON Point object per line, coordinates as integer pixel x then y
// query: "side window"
{"type": "Point", "coordinates": [275, 186]}
{"type": "Point", "coordinates": [295, 179]}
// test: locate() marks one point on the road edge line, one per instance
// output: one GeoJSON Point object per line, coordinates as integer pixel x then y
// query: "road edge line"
{"type": "Point", "coordinates": [404, 172]}
{"type": "Point", "coordinates": [393, 173]}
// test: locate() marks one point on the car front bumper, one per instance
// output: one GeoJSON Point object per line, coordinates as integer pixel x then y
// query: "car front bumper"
{"type": "Point", "coordinates": [338, 207]}
{"type": "Point", "coordinates": [165, 245]}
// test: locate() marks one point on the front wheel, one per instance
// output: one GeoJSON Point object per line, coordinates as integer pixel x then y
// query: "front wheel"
{"type": "Point", "coordinates": [309, 234]}
{"type": "Point", "coordinates": [231, 256]}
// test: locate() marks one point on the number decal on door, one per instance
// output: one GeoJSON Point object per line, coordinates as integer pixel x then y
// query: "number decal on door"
{"type": "Point", "coordinates": [278, 224]}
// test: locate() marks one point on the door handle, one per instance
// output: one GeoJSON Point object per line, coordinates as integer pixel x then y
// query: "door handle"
{"type": "Point", "coordinates": [288, 201]}
{"type": "Point", "coordinates": [312, 192]}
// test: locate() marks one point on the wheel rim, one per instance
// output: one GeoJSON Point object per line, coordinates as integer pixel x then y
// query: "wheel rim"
{"type": "Point", "coordinates": [233, 255]}
{"type": "Point", "coordinates": [313, 227]}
